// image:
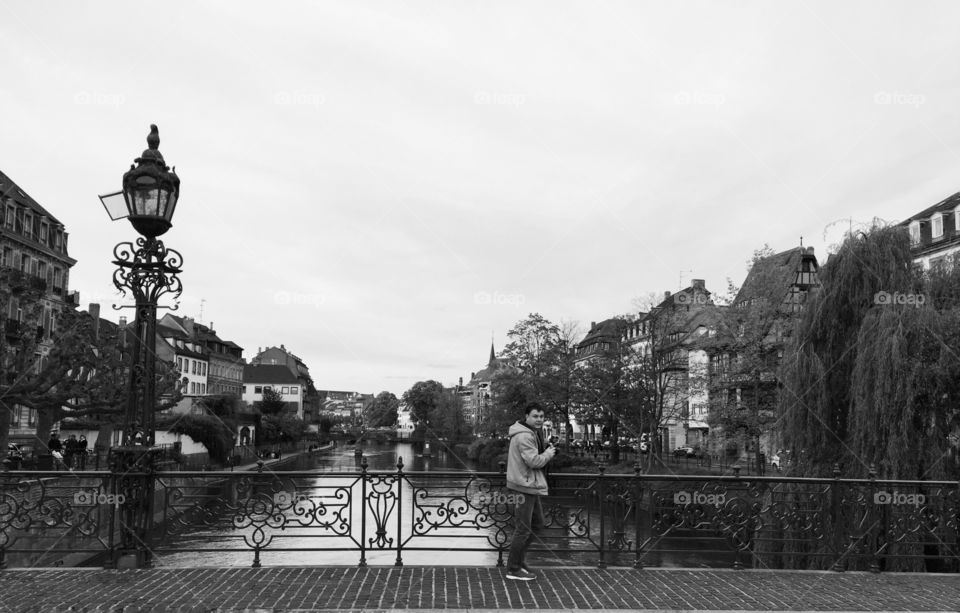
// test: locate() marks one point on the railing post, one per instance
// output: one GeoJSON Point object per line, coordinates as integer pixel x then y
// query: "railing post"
{"type": "Point", "coordinates": [637, 501]}
{"type": "Point", "coordinates": [399, 561]}
{"type": "Point", "coordinates": [835, 519]}
{"type": "Point", "coordinates": [603, 533]}
{"type": "Point", "coordinates": [363, 511]}
{"type": "Point", "coordinates": [503, 471]}
{"type": "Point", "coordinates": [878, 527]}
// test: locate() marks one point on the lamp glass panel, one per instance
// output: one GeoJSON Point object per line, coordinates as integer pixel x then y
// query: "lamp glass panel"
{"type": "Point", "coordinates": [162, 200]}
{"type": "Point", "coordinates": [145, 201]}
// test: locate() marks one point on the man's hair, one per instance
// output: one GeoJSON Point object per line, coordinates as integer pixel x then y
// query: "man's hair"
{"type": "Point", "coordinates": [532, 406]}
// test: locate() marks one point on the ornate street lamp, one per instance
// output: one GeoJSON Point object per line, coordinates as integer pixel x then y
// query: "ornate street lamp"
{"type": "Point", "coordinates": [147, 270]}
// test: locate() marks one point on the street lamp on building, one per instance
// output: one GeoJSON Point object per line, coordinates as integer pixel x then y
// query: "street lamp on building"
{"type": "Point", "coordinates": [148, 271]}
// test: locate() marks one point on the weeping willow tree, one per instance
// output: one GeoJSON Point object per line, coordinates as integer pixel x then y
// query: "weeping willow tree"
{"type": "Point", "coordinates": [872, 379]}
{"type": "Point", "coordinates": [817, 399]}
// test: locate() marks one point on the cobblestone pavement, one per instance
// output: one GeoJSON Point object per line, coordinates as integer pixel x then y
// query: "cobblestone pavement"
{"type": "Point", "coordinates": [423, 588]}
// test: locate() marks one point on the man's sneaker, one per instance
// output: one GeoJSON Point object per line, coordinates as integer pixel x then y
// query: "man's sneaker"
{"type": "Point", "coordinates": [521, 575]}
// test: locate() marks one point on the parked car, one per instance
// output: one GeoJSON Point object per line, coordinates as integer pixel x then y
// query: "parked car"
{"type": "Point", "coordinates": [683, 452]}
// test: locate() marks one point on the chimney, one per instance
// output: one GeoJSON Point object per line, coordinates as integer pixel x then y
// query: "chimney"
{"type": "Point", "coordinates": [95, 313]}
{"type": "Point", "coordinates": [123, 331]}
{"type": "Point", "coordinates": [461, 382]}
{"type": "Point", "coordinates": [188, 325]}
{"type": "Point", "coordinates": [698, 284]}
{"type": "Point", "coordinates": [472, 375]}
{"type": "Point", "coordinates": [123, 321]}
{"type": "Point", "coordinates": [211, 328]}
{"type": "Point", "coordinates": [593, 325]}
{"type": "Point", "coordinates": [666, 294]}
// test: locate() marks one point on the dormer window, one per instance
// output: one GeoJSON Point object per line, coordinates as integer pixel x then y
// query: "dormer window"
{"type": "Point", "coordinates": [936, 226]}
{"type": "Point", "coordinates": [956, 219]}
{"type": "Point", "coordinates": [914, 232]}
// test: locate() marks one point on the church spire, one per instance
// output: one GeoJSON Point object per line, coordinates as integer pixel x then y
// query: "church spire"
{"type": "Point", "coordinates": [493, 355]}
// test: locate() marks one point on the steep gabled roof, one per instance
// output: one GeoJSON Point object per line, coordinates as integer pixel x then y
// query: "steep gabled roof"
{"type": "Point", "coordinates": [268, 373]}
{"type": "Point", "coordinates": [948, 204]}
{"type": "Point", "coordinates": [10, 189]}
{"type": "Point", "coordinates": [779, 269]}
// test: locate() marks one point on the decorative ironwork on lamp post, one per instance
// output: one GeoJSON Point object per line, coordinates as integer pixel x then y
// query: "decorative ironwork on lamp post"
{"type": "Point", "coordinates": [147, 270]}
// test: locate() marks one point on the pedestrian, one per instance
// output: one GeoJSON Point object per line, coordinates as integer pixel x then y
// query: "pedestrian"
{"type": "Point", "coordinates": [82, 451]}
{"type": "Point", "coordinates": [526, 459]}
{"type": "Point", "coordinates": [56, 450]}
{"type": "Point", "coordinates": [70, 457]}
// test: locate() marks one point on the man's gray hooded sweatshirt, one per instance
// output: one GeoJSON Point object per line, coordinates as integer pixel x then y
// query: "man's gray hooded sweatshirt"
{"type": "Point", "coordinates": [525, 461]}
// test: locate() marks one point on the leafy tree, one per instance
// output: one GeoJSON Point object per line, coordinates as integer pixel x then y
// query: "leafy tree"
{"type": "Point", "coordinates": [222, 405]}
{"type": "Point", "coordinates": [544, 354]}
{"type": "Point", "coordinates": [84, 375]}
{"type": "Point", "coordinates": [512, 392]}
{"type": "Point", "coordinates": [216, 435]}
{"type": "Point", "coordinates": [436, 411]}
{"type": "Point", "coordinates": [280, 427]}
{"type": "Point", "coordinates": [272, 403]}
{"type": "Point", "coordinates": [382, 411]}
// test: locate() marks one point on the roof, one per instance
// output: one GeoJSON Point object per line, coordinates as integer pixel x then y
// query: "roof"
{"type": "Point", "coordinates": [10, 189]}
{"type": "Point", "coordinates": [268, 373]}
{"type": "Point", "coordinates": [946, 205]}
{"type": "Point", "coordinates": [608, 329]}
{"type": "Point", "coordinates": [780, 269]}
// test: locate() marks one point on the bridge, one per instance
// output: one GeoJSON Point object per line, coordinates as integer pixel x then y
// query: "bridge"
{"type": "Point", "coordinates": [393, 539]}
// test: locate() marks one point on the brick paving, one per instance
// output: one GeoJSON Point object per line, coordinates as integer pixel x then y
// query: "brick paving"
{"type": "Point", "coordinates": [424, 588]}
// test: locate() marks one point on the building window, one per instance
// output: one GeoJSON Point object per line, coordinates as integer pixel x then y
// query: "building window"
{"type": "Point", "coordinates": [294, 390]}
{"type": "Point", "coordinates": [915, 233]}
{"type": "Point", "coordinates": [43, 232]}
{"type": "Point", "coordinates": [936, 226]}
{"type": "Point", "coordinates": [180, 364]}
{"type": "Point", "coordinates": [7, 258]}
{"type": "Point", "coordinates": [15, 416]}
{"type": "Point", "coordinates": [258, 389]}
{"type": "Point", "coordinates": [194, 366]}
{"type": "Point", "coordinates": [193, 387]}
{"type": "Point", "coordinates": [203, 388]}
{"type": "Point", "coordinates": [32, 417]}
{"type": "Point", "coordinates": [285, 390]}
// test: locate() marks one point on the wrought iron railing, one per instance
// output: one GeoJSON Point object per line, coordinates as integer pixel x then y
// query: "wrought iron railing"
{"type": "Point", "coordinates": [392, 517]}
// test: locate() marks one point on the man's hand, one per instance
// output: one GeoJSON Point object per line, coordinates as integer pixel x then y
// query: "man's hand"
{"type": "Point", "coordinates": [550, 452]}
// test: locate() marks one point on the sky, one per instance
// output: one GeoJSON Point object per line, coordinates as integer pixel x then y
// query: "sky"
{"type": "Point", "coordinates": [383, 187]}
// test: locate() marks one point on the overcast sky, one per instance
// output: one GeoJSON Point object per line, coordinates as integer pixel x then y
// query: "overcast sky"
{"type": "Point", "coordinates": [380, 186]}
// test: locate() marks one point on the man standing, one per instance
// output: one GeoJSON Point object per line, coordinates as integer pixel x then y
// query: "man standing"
{"type": "Point", "coordinates": [525, 462]}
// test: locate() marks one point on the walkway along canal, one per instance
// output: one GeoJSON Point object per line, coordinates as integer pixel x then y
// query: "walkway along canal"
{"type": "Point", "coordinates": [393, 507]}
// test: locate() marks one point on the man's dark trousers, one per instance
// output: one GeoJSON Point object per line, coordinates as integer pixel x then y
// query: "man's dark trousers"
{"type": "Point", "coordinates": [529, 520]}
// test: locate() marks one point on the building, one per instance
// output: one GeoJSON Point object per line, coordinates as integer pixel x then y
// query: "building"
{"type": "Point", "coordinates": [601, 341]}
{"type": "Point", "coordinates": [34, 284]}
{"type": "Point", "coordinates": [746, 354]}
{"type": "Point", "coordinates": [177, 343]}
{"type": "Point", "coordinates": [348, 406]}
{"type": "Point", "coordinates": [669, 340]}
{"type": "Point", "coordinates": [935, 232]}
{"type": "Point", "coordinates": [478, 394]}
{"type": "Point", "coordinates": [310, 398]}
{"type": "Point", "coordinates": [260, 377]}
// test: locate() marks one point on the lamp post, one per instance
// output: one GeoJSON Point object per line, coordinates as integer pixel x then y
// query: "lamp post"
{"type": "Point", "coordinates": [147, 270]}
